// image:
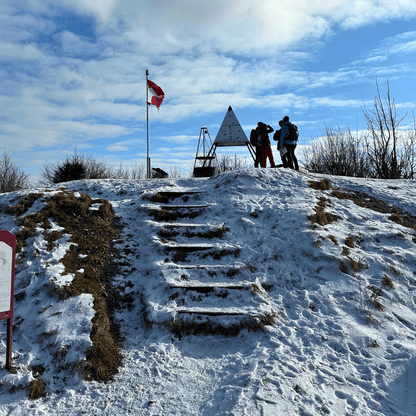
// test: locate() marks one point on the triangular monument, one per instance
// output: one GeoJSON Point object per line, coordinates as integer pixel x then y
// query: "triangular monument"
{"type": "Point", "coordinates": [231, 132]}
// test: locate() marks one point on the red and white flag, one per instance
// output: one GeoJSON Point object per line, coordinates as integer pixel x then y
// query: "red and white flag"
{"type": "Point", "coordinates": [156, 94]}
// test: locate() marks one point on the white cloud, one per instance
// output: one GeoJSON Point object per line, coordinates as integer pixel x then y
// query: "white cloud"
{"type": "Point", "coordinates": [25, 52]}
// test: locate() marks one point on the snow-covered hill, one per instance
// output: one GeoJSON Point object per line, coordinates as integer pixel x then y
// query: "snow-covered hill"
{"type": "Point", "coordinates": [256, 292]}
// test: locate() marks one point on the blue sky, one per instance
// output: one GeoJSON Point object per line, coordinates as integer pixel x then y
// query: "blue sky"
{"type": "Point", "coordinates": [72, 72]}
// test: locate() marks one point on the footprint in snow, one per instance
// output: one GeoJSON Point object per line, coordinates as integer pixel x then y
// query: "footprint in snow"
{"type": "Point", "coordinates": [344, 396]}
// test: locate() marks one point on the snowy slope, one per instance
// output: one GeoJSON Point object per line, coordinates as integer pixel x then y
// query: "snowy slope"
{"type": "Point", "coordinates": [341, 294]}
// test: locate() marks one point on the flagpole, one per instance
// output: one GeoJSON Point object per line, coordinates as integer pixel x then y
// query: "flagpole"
{"type": "Point", "coordinates": [147, 118]}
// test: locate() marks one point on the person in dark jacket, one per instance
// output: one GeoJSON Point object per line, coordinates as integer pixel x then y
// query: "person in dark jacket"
{"type": "Point", "coordinates": [255, 143]}
{"type": "Point", "coordinates": [290, 145]}
{"type": "Point", "coordinates": [263, 131]}
{"type": "Point", "coordinates": [276, 138]}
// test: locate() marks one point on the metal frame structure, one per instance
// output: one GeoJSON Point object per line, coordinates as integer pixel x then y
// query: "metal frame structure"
{"type": "Point", "coordinates": [206, 164]}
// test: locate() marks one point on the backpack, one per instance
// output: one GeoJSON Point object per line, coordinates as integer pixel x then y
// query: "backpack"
{"type": "Point", "coordinates": [293, 133]}
{"type": "Point", "coordinates": [254, 137]}
{"type": "Point", "coordinates": [276, 135]}
{"type": "Point", "coordinates": [263, 136]}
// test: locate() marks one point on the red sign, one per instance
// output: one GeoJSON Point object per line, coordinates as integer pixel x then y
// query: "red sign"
{"type": "Point", "coordinates": [7, 255]}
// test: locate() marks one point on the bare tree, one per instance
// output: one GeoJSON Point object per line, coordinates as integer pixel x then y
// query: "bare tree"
{"type": "Point", "coordinates": [229, 162]}
{"type": "Point", "coordinates": [383, 138]}
{"type": "Point", "coordinates": [11, 177]}
{"type": "Point", "coordinates": [408, 154]}
{"type": "Point", "coordinates": [338, 152]}
{"type": "Point", "coordinates": [138, 171]}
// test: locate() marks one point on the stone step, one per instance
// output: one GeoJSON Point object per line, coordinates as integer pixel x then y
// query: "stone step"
{"type": "Point", "coordinates": [214, 311]}
{"type": "Point", "coordinates": [177, 194]}
{"type": "Point", "coordinates": [182, 225]}
{"type": "Point", "coordinates": [202, 266]}
{"type": "Point", "coordinates": [188, 248]}
{"type": "Point", "coordinates": [172, 207]}
{"type": "Point", "coordinates": [209, 287]}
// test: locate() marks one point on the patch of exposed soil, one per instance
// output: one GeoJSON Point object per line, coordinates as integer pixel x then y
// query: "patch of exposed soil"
{"type": "Point", "coordinates": [398, 215]}
{"type": "Point", "coordinates": [364, 200]}
{"type": "Point", "coordinates": [92, 234]}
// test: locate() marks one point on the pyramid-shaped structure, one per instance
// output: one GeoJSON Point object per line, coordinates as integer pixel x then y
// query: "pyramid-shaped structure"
{"type": "Point", "coordinates": [231, 132]}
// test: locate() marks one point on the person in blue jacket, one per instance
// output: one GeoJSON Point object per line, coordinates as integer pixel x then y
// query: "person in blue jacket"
{"type": "Point", "coordinates": [290, 145]}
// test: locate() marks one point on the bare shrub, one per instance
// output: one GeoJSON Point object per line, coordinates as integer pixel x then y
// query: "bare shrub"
{"type": "Point", "coordinates": [390, 151]}
{"type": "Point", "coordinates": [75, 167]}
{"type": "Point", "coordinates": [383, 151]}
{"type": "Point", "coordinates": [229, 162]}
{"type": "Point", "coordinates": [11, 177]}
{"type": "Point", "coordinates": [338, 152]}
{"type": "Point", "coordinates": [84, 166]}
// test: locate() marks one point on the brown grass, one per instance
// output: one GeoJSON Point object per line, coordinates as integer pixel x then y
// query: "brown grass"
{"type": "Point", "coordinates": [266, 286]}
{"type": "Point", "coordinates": [387, 281]}
{"type": "Point", "coordinates": [232, 272]}
{"type": "Point", "coordinates": [217, 255]}
{"type": "Point", "coordinates": [168, 215]}
{"type": "Point", "coordinates": [36, 389]}
{"type": "Point", "coordinates": [92, 235]}
{"type": "Point", "coordinates": [323, 218]}
{"type": "Point", "coordinates": [217, 233]}
{"type": "Point", "coordinates": [255, 324]}
{"type": "Point", "coordinates": [323, 185]}
{"type": "Point", "coordinates": [255, 289]}
{"type": "Point", "coordinates": [24, 205]}
{"type": "Point", "coordinates": [349, 242]}
{"type": "Point", "coordinates": [168, 233]}
{"type": "Point", "coordinates": [333, 239]}
{"type": "Point", "coordinates": [53, 236]}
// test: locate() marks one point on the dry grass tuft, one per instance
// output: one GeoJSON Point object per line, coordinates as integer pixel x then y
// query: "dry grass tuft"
{"type": "Point", "coordinates": [256, 324]}
{"type": "Point", "coordinates": [157, 198]}
{"type": "Point", "coordinates": [53, 236]}
{"type": "Point", "coordinates": [349, 242]}
{"type": "Point", "coordinates": [36, 389]}
{"type": "Point", "coordinates": [318, 242]}
{"type": "Point", "coordinates": [375, 294]}
{"type": "Point", "coordinates": [217, 255]}
{"type": "Point", "coordinates": [255, 289]}
{"type": "Point", "coordinates": [333, 239]}
{"type": "Point", "coordinates": [397, 219]}
{"type": "Point", "coordinates": [266, 286]}
{"type": "Point", "coordinates": [395, 271]}
{"type": "Point", "coordinates": [340, 195]}
{"type": "Point", "coordinates": [250, 267]}
{"type": "Point", "coordinates": [179, 256]}
{"type": "Point", "coordinates": [218, 233]}
{"type": "Point", "coordinates": [323, 185]}
{"type": "Point", "coordinates": [322, 218]}
{"type": "Point", "coordinates": [387, 281]}
{"type": "Point", "coordinates": [24, 205]}
{"type": "Point", "coordinates": [168, 233]}
{"type": "Point", "coordinates": [162, 215]}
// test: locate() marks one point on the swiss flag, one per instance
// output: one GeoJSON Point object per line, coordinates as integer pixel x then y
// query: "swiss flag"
{"type": "Point", "coordinates": [156, 94]}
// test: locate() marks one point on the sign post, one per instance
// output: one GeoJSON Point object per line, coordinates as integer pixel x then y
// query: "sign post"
{"type": "Point", "coordinates": [7, 256]}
